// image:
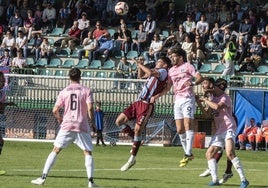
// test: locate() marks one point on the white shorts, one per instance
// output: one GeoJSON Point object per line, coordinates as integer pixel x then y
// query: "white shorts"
{"type": "Point", "coordinates": [219, 140]}
{"type": "Point", "coordinates": [81, 139]}
{"type": "Point", "coordinates": [184, 108]}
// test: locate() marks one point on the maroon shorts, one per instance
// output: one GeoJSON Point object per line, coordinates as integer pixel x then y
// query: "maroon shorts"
{"type": "Point", "coordinates": [139, 110]}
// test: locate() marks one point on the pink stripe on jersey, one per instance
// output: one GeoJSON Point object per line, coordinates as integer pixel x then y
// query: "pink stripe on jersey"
{"type": "Point", "coordinates": [74, 99]}
{"type": "Point", "coordinates": [179, 75]}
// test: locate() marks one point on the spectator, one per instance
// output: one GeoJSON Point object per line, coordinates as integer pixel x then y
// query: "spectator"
{"type": "Point", "coordinates": [64, 17]}
{"type": "Point", "coordinates": [100, 6]}
{"type": "Point", "coordinates": [255, 52]}
{"type": "Point", "coordinates": [198, 52]}
{"type": "Point", "coordinates": [46, 49]}
{"type": "Point", "coordinates": [8, 43]}
{"type": "Point", "coordinates": [223, 14]}
{"type": "Point", "coordinates": [249, 133]}
{"type": "Point", "coordinates": [262, 135]}
{"type": "Point", "coordinates": [5, 60]}
{"type": "Point", "coordinates": [89, 44]}
{"type": "Point", "coordinates": [149, 26]}
{"type": "Point", "coordinates": [106, 45]}
{"type": "Point", "coordinates": [15, 22]}
{"type": "Point", "coordinates": [245, 29]}
{"type": "Point", "coordinates": [229, 57]}
{"type": "Point", "coordinates": [189, 25]}
{"type": "Point", "coordinates": [202, 28]}
{"type": "Point", "coordinates": [36, 49]}
{"type": "Point", "coordinates": [111, 15]}
{"type": "Point", "coordinates": [154, 50]}
{"type": "Point", "coordinates": [242, 50]}
{"type": "Point", "coordinates": [19, 61]}
{"type": "Point", "coordinates": [141, 16]}
{"type": "Point", "coordinates": [29, 24]}
{"type": "Point", "coordinates": [49, 17]}
{"type": "Point", "coordinates": [139, 41]}
{"type": "Point", "coordinates": [151, 6]}
{"type": "Point", "coordinates": [124, 39]}
{"type": "Point", "coordinates": [179, 36]}
{"type": "Point", "coordinates": [169, 18]}
{"type": "Point", "coordinates": [187, 46]}
{"type": "Point", "coordinates": [83, 25]}
{"type": "Point", "coordinates": [73, 38]}
{"type": "Point", "coordinates": [99, 30]}
{"type": "Point", "coordinates": [10, 10]}
{"type": "Point", "coordinates": [123, 70]}
{"type": "Point", "coordinates": [264, 45]}
{"type": "Point", "coordinates": [24, 9]}
{"type": "Point", "coordinates": [38, 17]}
{"type": "Point", "coordinates": [99, 123]}
{"type": "Point", "coordinates": [21, 43]}
{"type": "Point", "coordinates": [211, 16]}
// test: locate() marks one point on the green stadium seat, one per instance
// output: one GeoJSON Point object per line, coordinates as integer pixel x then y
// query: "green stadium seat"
{"type": "Point", "coordinates": [30, 61]}
{"type": "Point", "coordinates": [111, 31]}
{"type": "Point", "coordinates": [265, 82]}
{"type": "Point", "coordinates": [262, 69]}
{"type": "Point", "coordinates": [218, 69]}
{"type": "Point", "coordinates": [83, 63]}
{"type": "Point", "coordinates": [42, 62]}
{"type": "Point", "coordinates": [254, 81]}
{"type": "Point", "coordinates": [64, 52]}
{"type": "Point", "coordinates": [54, 62]}
{"type": "Point", "coordinates": [205, 68]}
{"type": "Point", "coordinates": [95, 64]}
{"type": "Point", "coordinates": [108, 65]}
{"type": "Point", "coordinates": [68, 63]}
{"type": "Point", "coordinates": [134, 33]}
{"type": "Point", "coordinates": [132, 54]}
{"type": "Point", "coordinates": [56, 32]}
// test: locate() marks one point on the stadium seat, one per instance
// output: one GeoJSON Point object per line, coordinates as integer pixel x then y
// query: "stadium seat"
{"type": "Point", "coordinates": [45, 72]}
{"type": "Point", "coordinates": [218, 69]}
{"type": "Point", "coordinates": [101, 75]}
{"type": "Point", "coordinates": [30, 61]}
{"type": "Point", "coordinates": [134, 33]}
{"type": "Point", "coordinates": [262, 69]}
{"type": "Point", "coordinates": [64, 52]}
{"type": "Point", "coordinates": [56, 32]}
{"type": "Point", "coordinates": [111, 31]}
{"type": "Point", "coordinates": [54, 62]}
{"type": "Point", "coordinates": [65, 34]}
{"type": "Point", "coordinates": [205, 68]}
{"type": "Point", "coordinates": [95, 64]}
{"type": "Point", "coordinates": [31, 42]}
{"type": "Point", "coordinates": [88, 74]}
{"type": "Point", "coordinates": [83, 63]}
{"type": "Point", "coordinates": [60, 73]}
{"type": "Point", "coordinates": [109, 65]}
{"type": "Point", "coordinates": [112, 75]}
{"type": "Point", "coordinates": [132, 54]}
{"type": "Point", "coordinates": [68, 63]}
{"type": "Point", "coordinates": [118, 54]}
{"type": "Point", "coordinates": [165, 34]}
{"type": "Point", "coordinates": [51, 41]}
{"type": "Point", "coordinates": [42, 62]}
{"type": "Point", "coordinates": [215, 57]}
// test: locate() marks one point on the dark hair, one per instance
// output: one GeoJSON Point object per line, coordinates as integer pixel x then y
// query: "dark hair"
{"type": "Point", "coordinates": [75, 74]}
{"type": "Point", "coordinates": [180, 52]}
{"type": "Point", "coordinates": [166, 60]}
{"type": "Point", "coordinates": [210, 79]}
{"type": "Point", "coordinates": [221, 83]}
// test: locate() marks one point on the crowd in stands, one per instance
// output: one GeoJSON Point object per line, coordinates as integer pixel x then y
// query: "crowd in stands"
{"type": "Point", "coordinates": [151, 28]}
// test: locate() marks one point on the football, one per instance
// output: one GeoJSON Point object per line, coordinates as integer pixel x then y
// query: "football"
{"type": "Point", "coordinates": [113, 143]}
{"type": "Point", "coordinates": [121, 8]}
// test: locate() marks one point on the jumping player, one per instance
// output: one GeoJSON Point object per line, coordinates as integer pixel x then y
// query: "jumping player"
{"type": "Point", "coordinates": [181, 77]}
{"type": "Point", "coordinates": [142, 108]}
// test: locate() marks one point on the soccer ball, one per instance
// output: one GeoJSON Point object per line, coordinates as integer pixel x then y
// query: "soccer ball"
{"type": "Point", "coordinates": [112, 143]}
{"type": "Point", "coordinates": [121, 8]}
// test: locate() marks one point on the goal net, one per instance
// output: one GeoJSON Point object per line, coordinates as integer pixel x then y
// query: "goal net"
{"type": "Point", "coordinates": [34, 96]}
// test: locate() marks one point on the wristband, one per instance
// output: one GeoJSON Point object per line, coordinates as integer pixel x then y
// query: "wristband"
{"type": "Point", "coordinates": [193, 83]}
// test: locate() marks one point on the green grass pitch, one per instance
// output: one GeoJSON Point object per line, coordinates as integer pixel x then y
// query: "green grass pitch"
{"type": "Point", "coordinates": [156, 167]}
